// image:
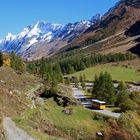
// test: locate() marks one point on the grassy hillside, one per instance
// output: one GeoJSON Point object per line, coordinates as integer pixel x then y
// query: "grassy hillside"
{"type": "Point", "coordinates": [12, 86]}
{"type": "Point", "coordinates": [119, 71]}
{"type": "Point", "coordinates": [49, 121]}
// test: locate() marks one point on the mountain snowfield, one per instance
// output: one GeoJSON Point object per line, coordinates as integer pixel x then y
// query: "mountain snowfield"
{"type": "Point", "coordinates": [44, 39]}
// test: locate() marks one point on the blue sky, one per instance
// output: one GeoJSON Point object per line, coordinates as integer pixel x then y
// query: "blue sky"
{"type": "Point", "coordinates": [16, 14]}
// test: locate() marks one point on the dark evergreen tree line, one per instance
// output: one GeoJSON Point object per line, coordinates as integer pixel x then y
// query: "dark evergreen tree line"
{"type": "Point", "coordinates": [70, 63]}
{"type": "Point", "coordinates": [76, 63]}
{"type": "Point", "coordinates": [49, 72]}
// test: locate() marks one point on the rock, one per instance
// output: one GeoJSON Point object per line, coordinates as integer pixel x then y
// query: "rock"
{"type": "Point", "coordinates": [17, 92]}
{"type": "Point", "coordinates": [100, 134]}
{"type": "Point", "coordinates": [68, 111]}
{"type": "Point", "coordinates": [11, 92]}
{"type": "Point", "coordinates": [3, 82]}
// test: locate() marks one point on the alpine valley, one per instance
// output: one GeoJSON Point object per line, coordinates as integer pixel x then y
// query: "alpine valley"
{"type": "Point", "coordinates": [79, 81]}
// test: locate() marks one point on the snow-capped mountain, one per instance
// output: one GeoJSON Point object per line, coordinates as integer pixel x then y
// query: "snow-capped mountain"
{"type": "Point", "coordinates": [43, 38]}
{"type": "Point", "coordinates": [30, 35]}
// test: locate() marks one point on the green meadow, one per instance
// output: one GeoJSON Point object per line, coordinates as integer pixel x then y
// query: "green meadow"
{"type": "Point", "coordinates": [130, 74]}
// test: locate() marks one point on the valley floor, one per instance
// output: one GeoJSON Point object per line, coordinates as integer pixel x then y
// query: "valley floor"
{"type": "Point", "coordinates": [125, 71]}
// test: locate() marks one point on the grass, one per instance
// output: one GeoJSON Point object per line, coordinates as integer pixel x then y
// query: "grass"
{"type": "Point", "coordinates": [117, 72]}
{"type": "Point", "coordinates": [87, 94]}
{"type": "Point", "coordinates": [47, 121]}
{"type": "Point", "coordinates": [2, 136]}
{"type": "Point", "coordinates": [78, 125]}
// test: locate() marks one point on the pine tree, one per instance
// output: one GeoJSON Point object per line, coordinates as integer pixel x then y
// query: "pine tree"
{"type": "Point", "coordinates": [31, 68]}
{"type": "Point", "coordinates": [20, 65]}
{"type": "Point", "coordinates": [103, 88]}
{"type": "Point", "coordinates": [58, 73]}
{"type": "Point", "coordinates": [67, 81]}
{"type": "Point", "coordinates": [1, 59]}
{"type": "Point", "coordinates": [70, 69]}
{"type": "Point", "coordinates": [83, 85]}
{"type": "Point", "coordinates": [121, 87]}
{"type": "Point", "coordinates": [17, 63]}
{"type": "Point", "coordinates": [76, 82]}
{"type": "Point", "coordinates": [81, 78]}
{"type": "Point", "coordinates": [43, 67]}
{"type": "Point", "coordinates": [122, 93]}
{"type": "Point", "coordinates": [13, 61]}
{"type": "Point", "coordinates": [84, 77]}
{"type": "Point", "coordinates": [82, 65]}
{"type": "Point", "coordinates": [54, 85]}
{"type": "Point", "coordinates": [48, 77]}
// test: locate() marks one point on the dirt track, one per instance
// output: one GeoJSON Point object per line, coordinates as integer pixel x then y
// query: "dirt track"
{"type": "Point", "coordinates": [12, 132]}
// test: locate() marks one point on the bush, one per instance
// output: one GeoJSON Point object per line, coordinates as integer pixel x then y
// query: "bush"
{"type": "Point", "coordinates": [130, 121]}
{"type": "Point", "coordinates": [135, 96]}
{"type": "Point", "coordinates": [116, 132]}
{"type": "Point", "coordinates": [127, 105]}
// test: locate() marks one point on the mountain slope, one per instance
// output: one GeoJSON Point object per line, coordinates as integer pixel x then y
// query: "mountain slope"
{"type": "Point", "coordinates": [98, 35]}
{"type": "Point", "coordinates": [43, 38]}
{"type": "Point", "coordinates": [105, 35]}
{"type": "Point", "coordinates": [42, 31]}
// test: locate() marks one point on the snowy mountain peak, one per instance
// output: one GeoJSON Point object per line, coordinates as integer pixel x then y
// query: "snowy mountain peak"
{"type": "Point", "coordinates": [10, 36]}
{"type": "Point", "coordinates": [44, 34]}
{"type": "Point", "coordinates": [34, 31]}
{"type": "Point", "coordinates": [25, 32]}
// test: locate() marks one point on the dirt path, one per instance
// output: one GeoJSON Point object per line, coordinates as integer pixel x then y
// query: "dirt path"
{"type": "Point", "coordinates": [30, 95]}
{"type": "Point", "coordinates": [12, 132]}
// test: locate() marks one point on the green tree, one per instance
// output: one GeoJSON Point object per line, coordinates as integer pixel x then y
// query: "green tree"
{"type": "Point", "coordinates": [82, 65]}
{"type": "Point", "coordinates": [121, 87]}
{"type": "Point", "coordinates": [13, 60]}
{"type": "Point", "coordinates": [67, 81]}
{"type": "Point", "coordinates": [17, 63]}
{"type": "Point", "coordinates": [135, 96]}
{"type": "Point", "coordinates": [48, 77]}
{"type": "Point", "coordinates": [54, 85]}
{"type": "Point", "coordinates": [20, 65]}
{"type": "Point", "coordinates": [81, 78]}
{"type": "Point", "coordinates": [58, 73]}
{"type": "Point", "coordinates": [122, 93]}
{"type": "Point", "coordinates": [127, 104]}
{"type": "Point", "coordinates": [1, 59]}
{"type": "Point", "coordinates": [76, 82]}
{"type": "Point", "coordinates": [31, 68]}
{"type": "Point", "coordinates": [70, 69]}
{"type": "Point", "coordinates": [103, 88]}
{"type": "Point", "coordinates": [83, 85]}
{"type": "Point", "coordinates": [84, 77]}
{"type": "Point", "coordinates": [43, 67]}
